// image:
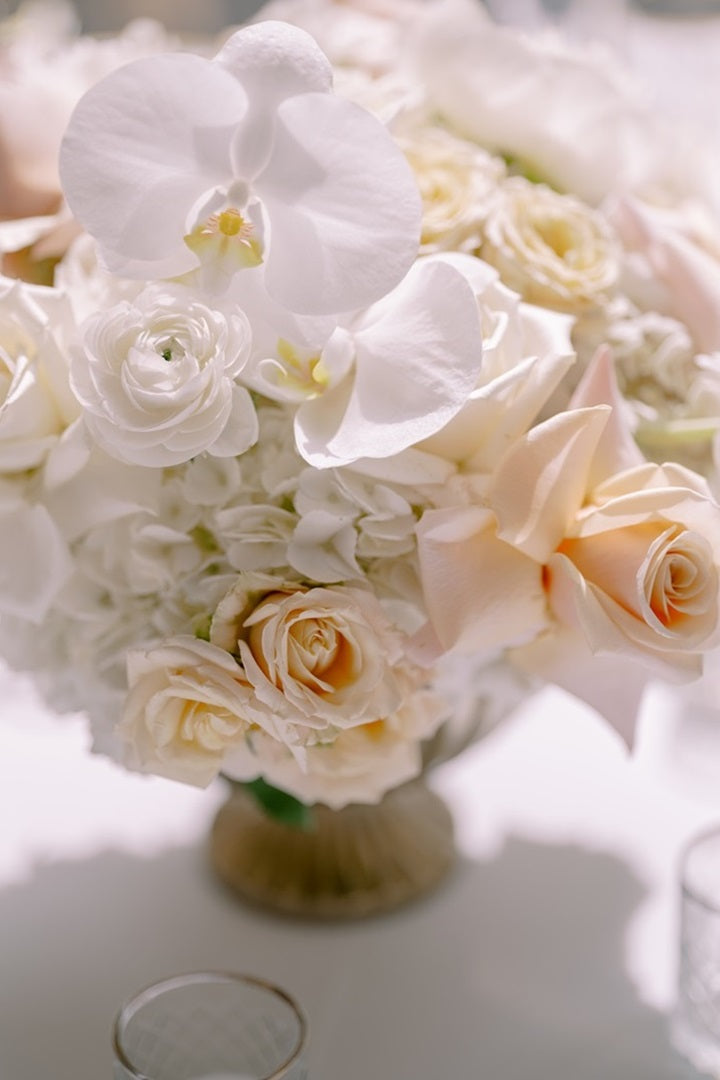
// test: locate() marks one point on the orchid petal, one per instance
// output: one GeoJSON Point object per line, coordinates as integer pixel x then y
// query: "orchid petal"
{"type": "Point", "coordinates": [272, 61]}
{"type": "Point", "coordinates": [343, 205]}
{"type": "Point", "coordinates": [418, 355]}
{"type": "Point", "coordinates": [542, 480]}
{"type": "Point", "coordinates": [133, 190]}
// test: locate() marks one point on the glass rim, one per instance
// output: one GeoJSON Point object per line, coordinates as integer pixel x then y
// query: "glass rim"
{"type": "Point", "coordinates": [689, 847]}
{"type": "Point", "coordinates": [133, 1004]}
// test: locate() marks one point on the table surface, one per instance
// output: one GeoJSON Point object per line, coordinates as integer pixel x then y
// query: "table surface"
{"type": "Point", "coordinates": [548, 955]}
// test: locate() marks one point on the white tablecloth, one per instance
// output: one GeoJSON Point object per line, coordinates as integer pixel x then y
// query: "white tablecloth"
{"type": "Point", "coordinates": [549, 954]}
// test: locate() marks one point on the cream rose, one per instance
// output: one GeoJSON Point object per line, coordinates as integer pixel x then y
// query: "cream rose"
{"type": "Point", "coordinates": [360, 765]}
{"type": "Point", "coordinates": [316, 657]}
{"type": "Point", "coordinates": [456, 179]}
{"type": "Point", "coordinates": [551, 248]}
{"type": "Point", "coordinates": [157, 377]}
{"type": "Point", "coordinates": [188, 704]}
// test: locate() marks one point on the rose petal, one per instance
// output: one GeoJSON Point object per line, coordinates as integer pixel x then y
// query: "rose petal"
{"type": "Point", "coordinates": [542, 480]}
{"type": "Point", "coordinates": [481, 594]}
{"type": "Point", "coordinates": [612, 685]}
{"type": "Point", "coordinates": [616, 450]}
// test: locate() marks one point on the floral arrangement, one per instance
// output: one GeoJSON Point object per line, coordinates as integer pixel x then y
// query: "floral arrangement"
{"type": "Point", "coordinates": [363, 362]}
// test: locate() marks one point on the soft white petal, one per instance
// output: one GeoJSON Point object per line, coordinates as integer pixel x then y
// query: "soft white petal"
{"type": "Point", "coordinates": [412, 467]}
{"type": "Point", "coordinates": [499, 412]}
{"type": "Point", "coordinates": [141, 148]}
{"type": "Point", "coordinates": [272, 61]}
{"type": "Point", "coordinates": [241, 430]}
{"type": "Point", "coordinates": [568, 113]}
{"type": "Point", "coordinates": [34, 562]}
{"type": "Point", "coordinates": [69, 455]}
{"type": "Point", "coordinates": [103, 491]}
{"type": "Point", "coordinates": [323, 548]}
{"type": "Point", "coordinates": [343, 205]}
{"type": "Point", "coordinates": [418, 356]}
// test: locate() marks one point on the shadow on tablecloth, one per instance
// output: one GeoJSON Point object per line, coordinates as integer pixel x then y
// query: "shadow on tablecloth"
{"type": "Point", "coordinates": [514, 970]}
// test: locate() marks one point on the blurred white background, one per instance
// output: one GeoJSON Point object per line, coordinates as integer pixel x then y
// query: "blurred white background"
{"type": "Point", "coordinates": [671, 45]}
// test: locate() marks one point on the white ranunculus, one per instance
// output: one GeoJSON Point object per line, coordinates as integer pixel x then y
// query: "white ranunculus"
{"type": "Point", "coordinates": [243, 160]}
{"type": "Point", "coordinates": [552, 249]}
{"type": "Point", "coordinates": [157, 379]}
{"type": "Point", "coordinates": [456, 179]}
{"type": "Point", "coordinates": [36, 405]}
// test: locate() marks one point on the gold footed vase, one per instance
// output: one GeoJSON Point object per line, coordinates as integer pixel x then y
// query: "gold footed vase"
{"type": "Point", "coordinates": [363, 859]}
{"type": "Point", "coordinates": [353, 862]}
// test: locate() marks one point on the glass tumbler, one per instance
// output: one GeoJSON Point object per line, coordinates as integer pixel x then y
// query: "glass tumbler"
{"type": "Point", "coordinates": [696, 1020]}
{"type": "Point", "coordinates": [210, 1026]}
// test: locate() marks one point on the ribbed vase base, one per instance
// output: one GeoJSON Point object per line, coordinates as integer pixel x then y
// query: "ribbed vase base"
{"type": "Point", "coordinates": [354, 862]}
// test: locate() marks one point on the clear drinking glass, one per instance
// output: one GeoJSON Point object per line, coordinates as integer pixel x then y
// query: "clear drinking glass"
{"type": "Point", "coordinates": [210, 1026]}
{"type": "Point", "coordinates": [696, 1020]}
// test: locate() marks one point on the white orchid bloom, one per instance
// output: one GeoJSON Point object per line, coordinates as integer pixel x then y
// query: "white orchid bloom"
{"type": "Point", "coordinates": [245, 159]}
{"type": "Point", "coordinates": [384, 379]}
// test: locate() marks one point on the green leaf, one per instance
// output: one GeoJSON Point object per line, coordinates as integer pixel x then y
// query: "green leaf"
{"type": "Point", "coordinates": [279, 805]}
